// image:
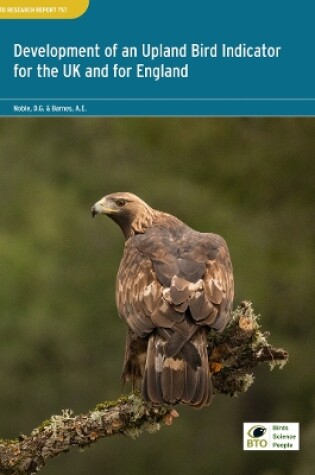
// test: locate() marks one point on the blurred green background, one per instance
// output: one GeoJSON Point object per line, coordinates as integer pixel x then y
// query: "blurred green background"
{"type": "Point", "coordinates": [62, 343]}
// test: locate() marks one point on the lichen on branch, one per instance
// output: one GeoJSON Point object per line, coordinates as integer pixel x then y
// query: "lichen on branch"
{"type": "Point", "coordinates": [232, 356]}
{"type": "Point", "coordinates": [128, 416]}
{"type": "Point", "coordinates": [241, 347]}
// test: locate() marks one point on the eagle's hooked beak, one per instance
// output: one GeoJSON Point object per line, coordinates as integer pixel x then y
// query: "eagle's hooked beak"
{"type": "Point", "coordinates": [101, 207]}
{"type": "Point", "coordinates": [93, 211]}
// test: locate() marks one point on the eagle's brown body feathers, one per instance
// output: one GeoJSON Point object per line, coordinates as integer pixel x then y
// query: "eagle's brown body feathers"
{"type": "Point", "coordinates": [173, 285]}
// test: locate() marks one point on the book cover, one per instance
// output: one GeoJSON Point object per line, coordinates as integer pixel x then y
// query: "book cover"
{"type": "Point", "coordinates": [204, 111]}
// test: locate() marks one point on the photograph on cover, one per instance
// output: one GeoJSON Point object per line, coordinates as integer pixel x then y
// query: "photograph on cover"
{"type": "Point", "coordinates": [249, 180]}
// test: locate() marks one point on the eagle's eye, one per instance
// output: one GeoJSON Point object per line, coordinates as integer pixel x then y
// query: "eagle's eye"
{"type": "Point", "coordinates": [120, 202]}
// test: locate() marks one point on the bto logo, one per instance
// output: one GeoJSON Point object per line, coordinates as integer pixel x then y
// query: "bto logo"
{"type": "Point", "coordinates": [255, 437]}
{"type": "Point", "coordinates": [271, 436]}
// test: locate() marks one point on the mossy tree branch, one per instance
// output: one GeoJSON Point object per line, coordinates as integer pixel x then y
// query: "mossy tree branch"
{"type": "Point", "coordinates": [232, 356]}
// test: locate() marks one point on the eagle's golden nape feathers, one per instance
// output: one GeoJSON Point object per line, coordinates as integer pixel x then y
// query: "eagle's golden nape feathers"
{"type": "Point", "coordinates": [173, 285]}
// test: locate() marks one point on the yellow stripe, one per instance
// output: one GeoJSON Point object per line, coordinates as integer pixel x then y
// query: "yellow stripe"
{"type": "Point", "coordinates": [42, 9]}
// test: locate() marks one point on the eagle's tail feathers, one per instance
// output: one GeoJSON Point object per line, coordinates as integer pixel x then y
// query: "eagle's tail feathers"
{"type": "Point", "coordinates": [180, 378]}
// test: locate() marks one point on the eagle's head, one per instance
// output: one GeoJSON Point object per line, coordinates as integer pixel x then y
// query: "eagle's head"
{"type": "Point", "coordinates": [131, 213]}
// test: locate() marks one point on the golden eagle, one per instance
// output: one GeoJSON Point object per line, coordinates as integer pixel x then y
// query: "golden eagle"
{"type": "Point", "coordinates": [173, 285]}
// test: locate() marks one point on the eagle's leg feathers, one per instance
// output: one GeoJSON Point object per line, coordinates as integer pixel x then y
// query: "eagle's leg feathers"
{"type": "Point", "coordinates": [135, 356]}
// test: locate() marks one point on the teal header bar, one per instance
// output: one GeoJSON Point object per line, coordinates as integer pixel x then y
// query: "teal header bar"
{"type": "Point", "coordinates": [202, 59]}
